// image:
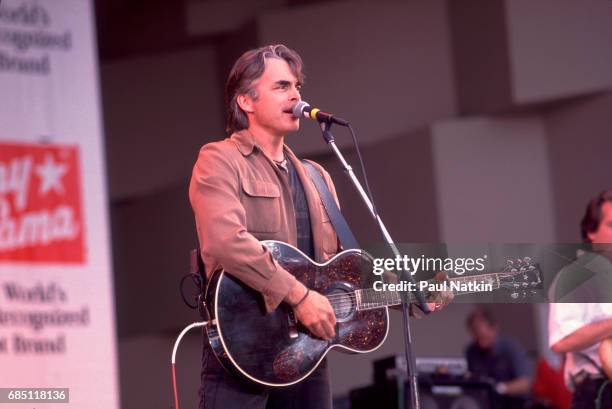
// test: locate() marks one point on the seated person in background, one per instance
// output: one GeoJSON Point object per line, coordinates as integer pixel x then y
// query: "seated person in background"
{"type": "Point", "coordinates": [500, 358]}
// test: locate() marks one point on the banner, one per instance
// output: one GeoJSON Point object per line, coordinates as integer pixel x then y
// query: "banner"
{"type": "Point", "coordinates": [57, 325]}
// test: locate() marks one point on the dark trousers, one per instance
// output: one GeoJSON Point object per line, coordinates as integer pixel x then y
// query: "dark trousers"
{"type": "Point", "coordinates": [222, 390]}
{"type": "Point", "coordinates": [586, 392]}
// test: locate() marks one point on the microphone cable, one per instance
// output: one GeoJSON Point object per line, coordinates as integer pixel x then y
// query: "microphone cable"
{"type": "Point", "coordinates": [363, 171]}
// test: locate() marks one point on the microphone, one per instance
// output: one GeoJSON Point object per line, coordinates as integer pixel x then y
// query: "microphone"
{"type": "Point", "coordinates": [303, 109]}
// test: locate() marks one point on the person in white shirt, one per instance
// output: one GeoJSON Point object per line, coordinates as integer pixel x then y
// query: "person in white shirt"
{"type": "Point", "coordinates": [577, 328]}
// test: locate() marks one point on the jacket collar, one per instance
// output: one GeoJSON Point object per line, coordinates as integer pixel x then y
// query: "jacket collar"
{"type": "Point", "coordinates": [244, 141]}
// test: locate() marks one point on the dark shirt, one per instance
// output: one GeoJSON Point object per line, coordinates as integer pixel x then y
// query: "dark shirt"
{"type": "Point", "coordinates": [505, 361]}
{"type": "Point", "coordinates": [302, 214]}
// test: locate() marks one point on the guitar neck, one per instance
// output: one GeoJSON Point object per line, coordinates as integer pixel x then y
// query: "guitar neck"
{"type": "Point", "coordinates": [369, 298]}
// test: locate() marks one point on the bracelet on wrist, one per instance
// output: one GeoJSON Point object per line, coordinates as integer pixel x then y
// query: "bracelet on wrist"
{"type": "Point", "coordinates": [302, 299]}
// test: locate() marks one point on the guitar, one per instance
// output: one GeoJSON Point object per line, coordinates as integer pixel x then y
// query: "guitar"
{"type": "Point", "coordinates": [276, 350]}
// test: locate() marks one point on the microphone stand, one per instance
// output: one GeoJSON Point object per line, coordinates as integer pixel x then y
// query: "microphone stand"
{"type": "Point", "coordinates": [410, 360]}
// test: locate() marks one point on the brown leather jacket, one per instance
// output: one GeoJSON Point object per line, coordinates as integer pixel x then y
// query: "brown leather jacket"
{"type": "Point", "coordinates": [240, 197]}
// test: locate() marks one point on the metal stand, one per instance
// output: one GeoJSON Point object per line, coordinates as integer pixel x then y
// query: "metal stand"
{"type": "Point", "coordinates": [410, 361]}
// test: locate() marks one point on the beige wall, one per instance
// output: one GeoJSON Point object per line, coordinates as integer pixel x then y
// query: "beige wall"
{"type": "Point", "coordinates": [579, 140]}
{"type": "Point", "coordinates": [558, 48]}
{"type": "Point", "coordinates": [385, 79]}
{"type": "Point", "coordinates": [493, 180]}
{"type": "Point", "coordinates": [158, 110]}
{"type": "Point", "coordinates": [511, 54]}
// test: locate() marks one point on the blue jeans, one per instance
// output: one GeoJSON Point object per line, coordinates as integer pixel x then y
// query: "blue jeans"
{"type": "Point", "coordinates": [222, 390]}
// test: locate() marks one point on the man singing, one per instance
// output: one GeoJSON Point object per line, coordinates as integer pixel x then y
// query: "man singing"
{"type": "Point", "coordinates": [251, 187]}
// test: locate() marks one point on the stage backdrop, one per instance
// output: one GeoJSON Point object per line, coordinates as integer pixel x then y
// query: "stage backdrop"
{"type": "Point", "coordinates": [57, 326]}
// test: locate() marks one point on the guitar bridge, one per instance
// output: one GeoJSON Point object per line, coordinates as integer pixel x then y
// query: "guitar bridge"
{"type": "Point", "coordinates": [293, 332]}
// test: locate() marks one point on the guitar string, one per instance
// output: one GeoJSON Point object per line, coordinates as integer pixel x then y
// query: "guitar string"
{"type": "Point", "coordinates": [371, 293]}
{"type": "Point", "coordinates": [339, 299]}
{"type": "Point", "coordinates": [481, 278]}
{"type": "Point", "coordinates": [347, 305]}
{"type": "Point", "coordinates": [346, 301]}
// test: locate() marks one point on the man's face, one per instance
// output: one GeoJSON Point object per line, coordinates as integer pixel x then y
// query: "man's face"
{"type": "Point", "coordinates": [483, 333]}
{"type": "Point", "coordinates": [278, 90]}
{"type": "Point", "coordinates": [603, 234]}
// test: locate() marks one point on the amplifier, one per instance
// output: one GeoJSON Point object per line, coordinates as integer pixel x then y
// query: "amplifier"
{"type": "Point", "coordinates": [389, 368]}
{"type": "Point", "coordinates": [434, 394]}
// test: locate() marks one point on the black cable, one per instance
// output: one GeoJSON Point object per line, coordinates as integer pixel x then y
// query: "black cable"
{"type": "Point", "coordinates": [363, 171]}
{"type": "Point", "coordinates": [198, 282]}
{"type": "Point", "coordinates": [599, 398]}
{"type": "Point", "coordinates": [365, 179]}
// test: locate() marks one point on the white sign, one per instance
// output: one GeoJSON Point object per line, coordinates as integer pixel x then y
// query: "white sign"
{"type": "Point", "coordinates": [57, 326]}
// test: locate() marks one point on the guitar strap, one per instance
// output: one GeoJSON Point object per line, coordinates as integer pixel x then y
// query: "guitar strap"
{"type": "Point", "coordinates": [592, 362]}
{"type": "Point", "coordinates": [345, 235]}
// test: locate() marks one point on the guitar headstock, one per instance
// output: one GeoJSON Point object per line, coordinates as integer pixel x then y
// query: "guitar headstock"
{"type": "Point", "coordinates": [521, 276]}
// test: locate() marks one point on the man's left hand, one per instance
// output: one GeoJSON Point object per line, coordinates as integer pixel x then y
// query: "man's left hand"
{"type": "Point", "coordinates": [436, 300]}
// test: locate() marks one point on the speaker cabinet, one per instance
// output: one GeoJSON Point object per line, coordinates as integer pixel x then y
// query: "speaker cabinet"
{"type": "Point", "coordinates": [434, 394]}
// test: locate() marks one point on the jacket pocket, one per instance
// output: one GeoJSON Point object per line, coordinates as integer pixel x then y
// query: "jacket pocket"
{"type": "Point", "coordinates": [261, 201]}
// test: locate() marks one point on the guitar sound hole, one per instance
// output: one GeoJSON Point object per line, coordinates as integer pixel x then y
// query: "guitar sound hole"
{"type": "Point", "coordinates": [343, 304]}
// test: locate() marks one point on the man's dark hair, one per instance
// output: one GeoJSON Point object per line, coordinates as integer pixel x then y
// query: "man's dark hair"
{"type": "Point", "coordinates": [246, 70]}
{"type": "Point", "coordinates": [480, 314]}
{"type": "Point", "coordinates": [592, 216]}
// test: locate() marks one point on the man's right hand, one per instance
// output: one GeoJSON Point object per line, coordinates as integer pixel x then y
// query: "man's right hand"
{"type": "Point", "coordinates": [314, 312]}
